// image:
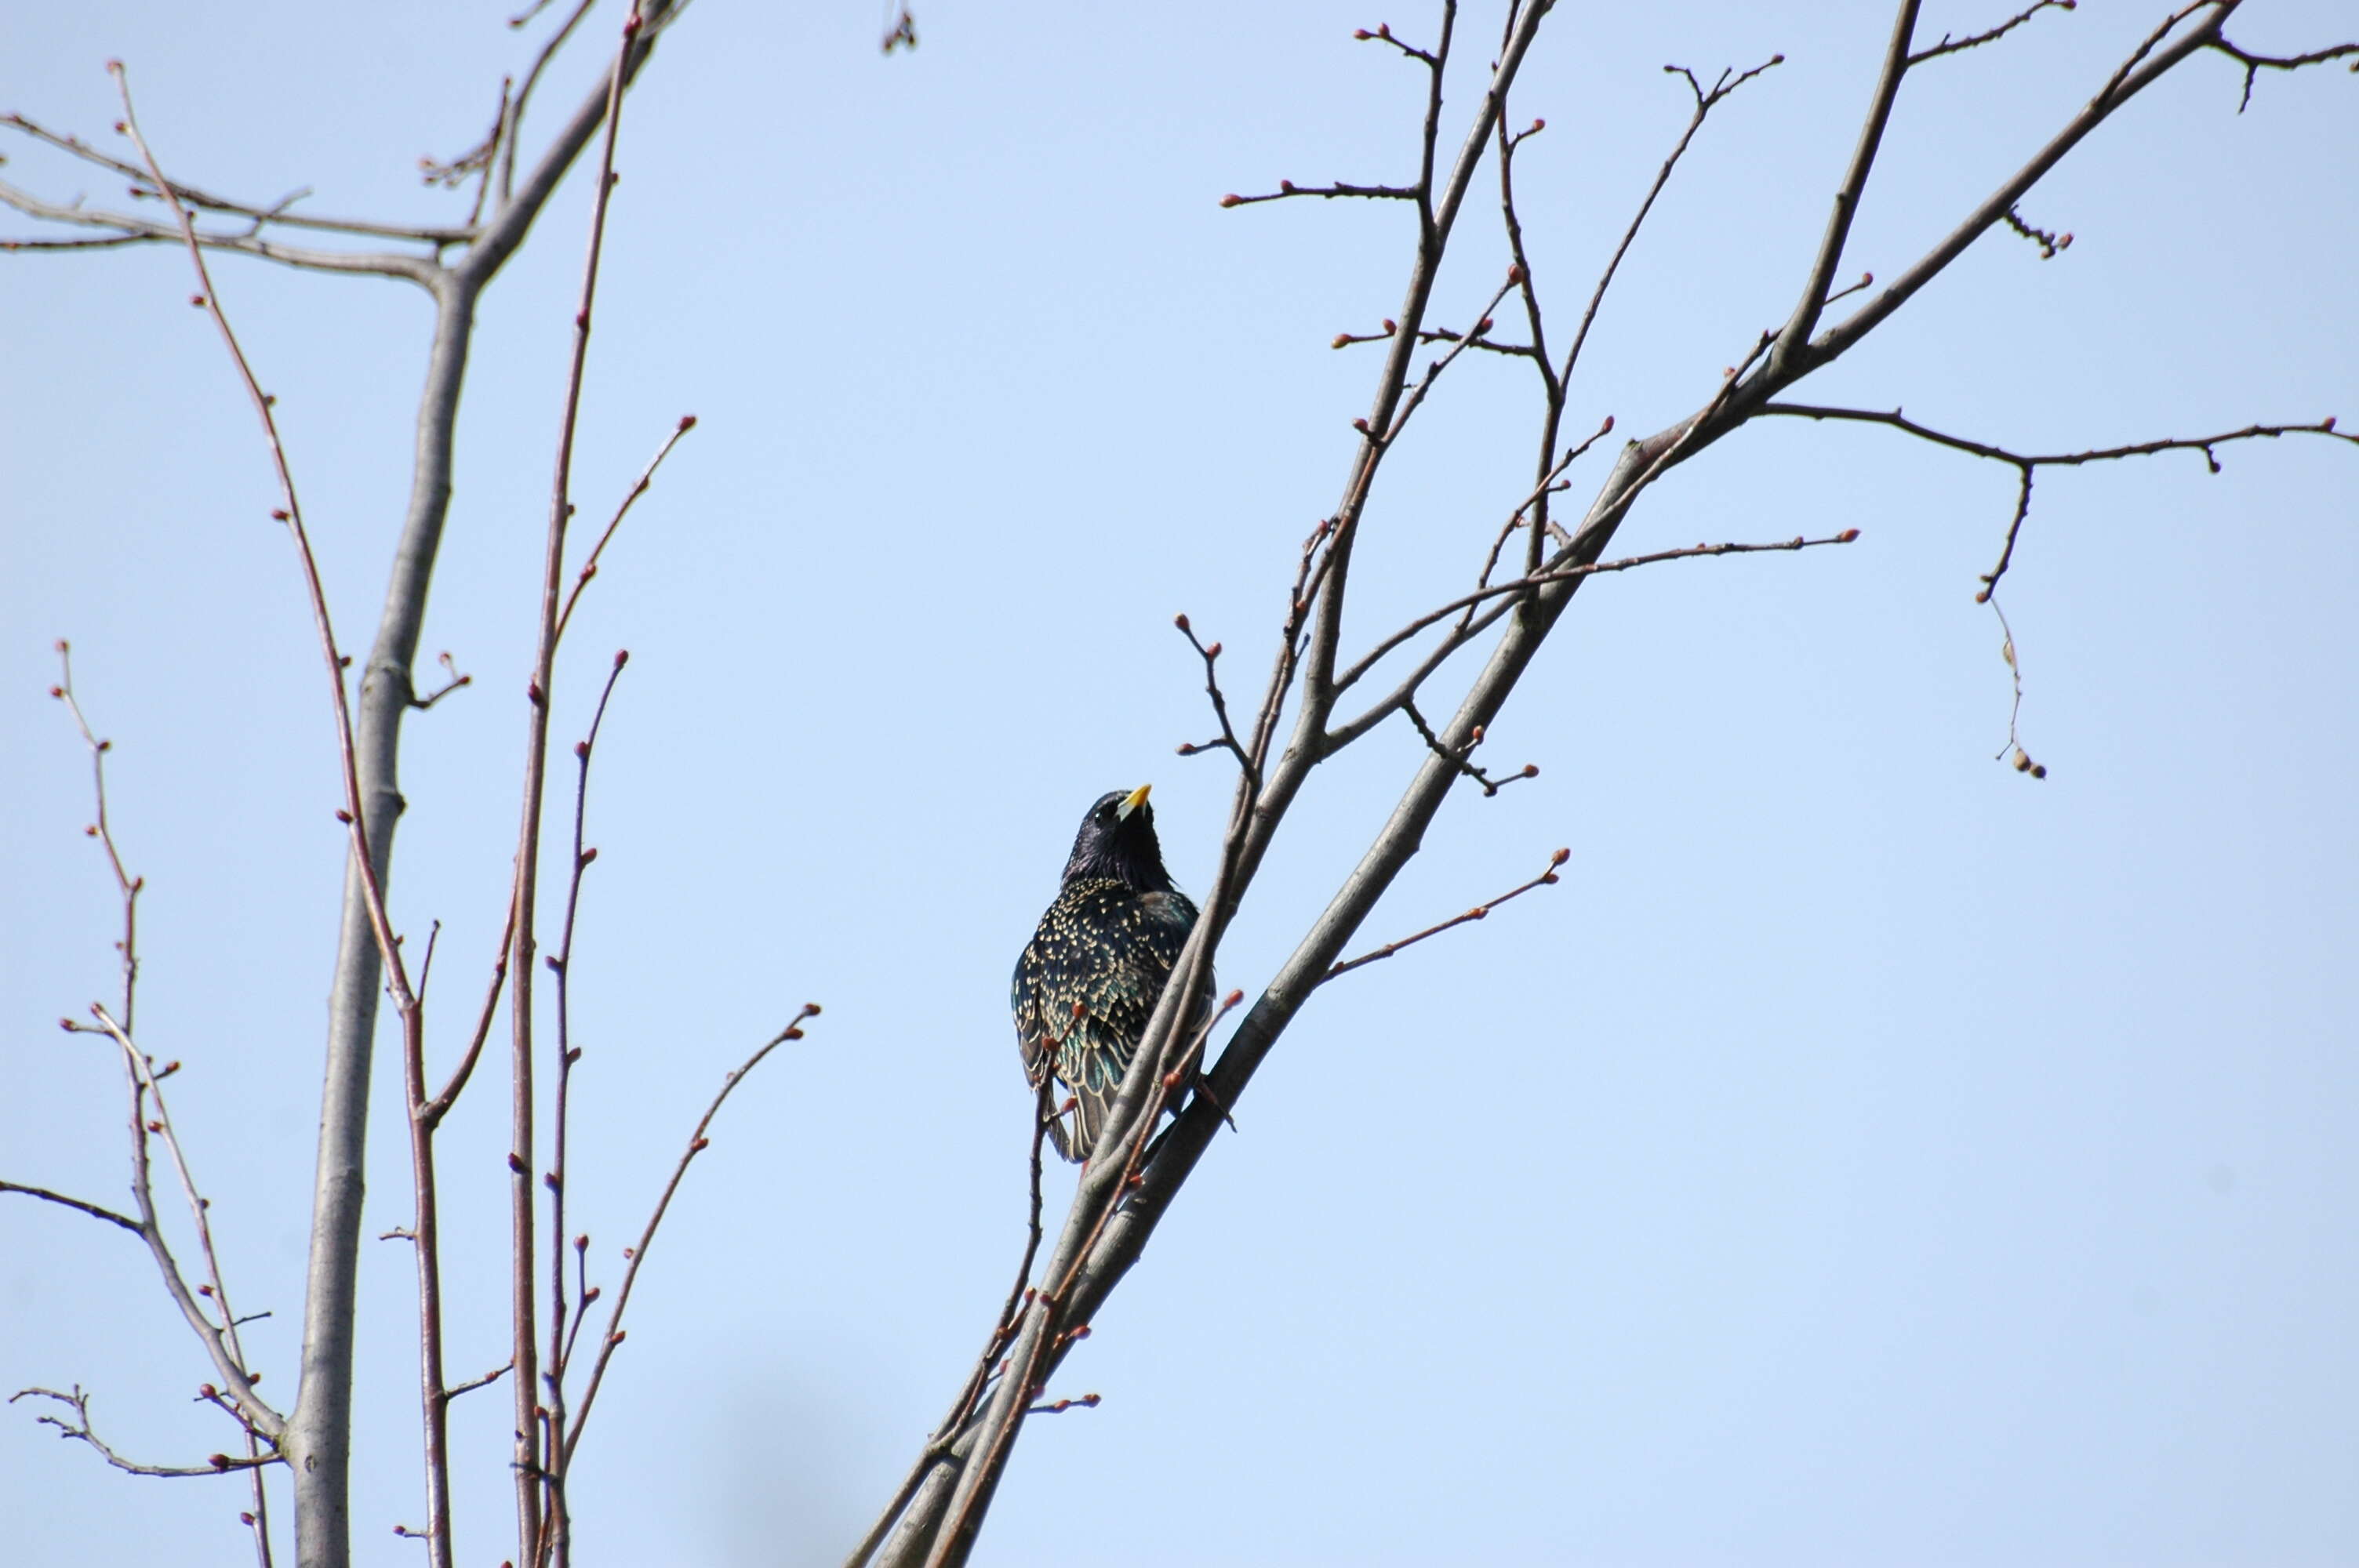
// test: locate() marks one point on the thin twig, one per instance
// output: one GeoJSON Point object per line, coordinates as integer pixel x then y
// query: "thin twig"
{"type": "Point", "coordinates": [697, 1143]}
{"type": "Point", "coordinates": [1705, 101]}
{"type": "Point", "coordinates": [2255, 64]}
{"type": "Point", "coordinates": [1480, 911]}
{"type": "Point", "coordinates": [533, 1467]}
{"type": "Point", "coordinates": [2051, 245]}
{"type": "Point", "coordinates": [514, 118]}
{"type": "Point", "coordinates": [91, 1209]}
{"type": "Point", "coordinates": [78, 1430]}
{"type": "Point", "coordinates": [276, 212]}
{"type": "Point", "coordinates": [1228, 739]}
{"type": "Point", "coordinates": [560, 964]}
{"type": "Point", "coordinates": [1344, 734]}
{"type": "Point", "coordinates": [639, 488]}
{"type": "Point", "coordinates": [1462, 757]}
{"type": "Point", "coordinates": [1975, 40]}
{"type": "Point", "coordinates": [127, 887]}
{"type": "Point", "coordinates": [221, 1340]}
{"type": "Point", "coordinates": [1287, 187]}
{"type": "Point", "coordinates": [291, 512]}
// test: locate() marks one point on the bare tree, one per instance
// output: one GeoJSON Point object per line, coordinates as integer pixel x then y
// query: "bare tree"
{"type": "Point", "coordinates": [454, 264]}
{"type": "Point", "coordinates": [1309, 712]}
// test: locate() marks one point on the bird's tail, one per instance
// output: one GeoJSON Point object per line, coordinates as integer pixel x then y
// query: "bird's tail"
{"type": "Point", "coordinates": [1091, 1103]}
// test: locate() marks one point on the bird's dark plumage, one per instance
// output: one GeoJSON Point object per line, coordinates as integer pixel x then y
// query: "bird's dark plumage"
{"type": "Point", "coordinates": [1089, 980]}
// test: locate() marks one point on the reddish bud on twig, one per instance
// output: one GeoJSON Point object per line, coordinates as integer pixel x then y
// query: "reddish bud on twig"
{"type": "Point", "coordinates": [1287, 186]}
{"type": "Point", "coordinates": [589, 854]}
{"type": "Point", "coordinates": [687, 421]}
{"type": "Point", "coordinates": [1531, 770]}
{"type": "Point", "coordinates": [1343, 341]}
{"type": "Point", "coordinates": [1560, 857]}
{"type": "Point", "coordinates": [622, 657]}
{"type": "Point", "coordinates": [57, 691]}
{"type": "Point", "coordinates": [1180, 621]}
{"type": "Point", "coordinates": [1481, 326]}
{"type": "Point", "coordinates": [1847, 536]}
{"type": "Point", "coordinates": [278, 514]}
{"type": "Point", "coordinates": [1515, 276]}
{"type": "Point", "coordinates": [343, 817]}
{"type": "Point", "coordinates": [1214, 651]}
{"type": "Point", "coordinates": [90, 831]}
{"type": "Point", "coordinates": [1361, 426]}
{"type": "Point", "coordinates": [1362, 34]}
{"type": "Point", "coordinates": [629, 1252]}
{"type": "Point", "coordinates": [517, 1164]}
{"type": "Point", "coordinates": [1233, 199]}
{"type": "Point", "coordinates": [198, 300]}
{"type": "Point", "coordinates": [700, 1146]}
{"type": "Point", "coordinates": [218, 1461]}
{"type": "Point", "coordinates": [581, 750]}
{"type": "Point", "coordinates": [1391, 326]}
{"type": "Point", "coordinates": [582, 1242]}
{"type": "Point", "coordinates": [244, 1517]}
{"type": "Point", "coordinates": [618, 1336]}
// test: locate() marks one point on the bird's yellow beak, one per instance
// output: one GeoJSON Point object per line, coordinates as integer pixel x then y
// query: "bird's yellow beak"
{"type": "Point", "coordinates": [1132, 802]}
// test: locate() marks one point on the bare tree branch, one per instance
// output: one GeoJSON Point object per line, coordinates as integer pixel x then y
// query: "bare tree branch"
{"type": "Point", "coordinates": [537, 1459]}
{"type": "Point", "coordinates": [1989, 35]}
{"type": "Point", "coordinates": [1480, 911]}
{"type": "Point", "coordinates": [2255, 64]}
{"type": "Point", "coordinates": [698, 1142]}
{"type": "Point", "coordinates": [77, 1429]}
{"type": "Point", "coordinates": [281, 213]}
{"type": "Point", "coordinates": [1805, 318]}
{"type": "Point", "coordinates": [557, 1538]}
{"type": "Point", "coordinates": [2147, 64]}
{"type": "Point", "coordinates": [91, 1209]}
{"type": "Point", "coordinates": [129, 230]}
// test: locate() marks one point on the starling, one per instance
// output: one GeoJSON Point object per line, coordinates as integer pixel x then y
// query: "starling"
{"type": "Point", "coordinates": [1089, 980]}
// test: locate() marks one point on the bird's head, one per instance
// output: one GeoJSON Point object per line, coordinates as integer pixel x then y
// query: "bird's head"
{"type": "Point", "coordinates": [1117, 840]}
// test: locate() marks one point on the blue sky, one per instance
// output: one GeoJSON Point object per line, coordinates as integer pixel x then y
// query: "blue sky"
{"type": "Point", "coordinates": [1865, 1154]}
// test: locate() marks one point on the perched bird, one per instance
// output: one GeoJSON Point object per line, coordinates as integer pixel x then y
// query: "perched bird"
{"type": "Point", "coordinates": [1089, 980]}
